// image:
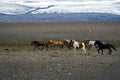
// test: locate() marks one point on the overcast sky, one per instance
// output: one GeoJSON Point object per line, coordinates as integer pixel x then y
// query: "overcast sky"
{"type": "Point", "coordinates": [61, 6]}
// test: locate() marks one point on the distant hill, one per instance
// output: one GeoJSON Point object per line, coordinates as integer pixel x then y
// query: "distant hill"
{"type": "Point", "coordinates": [60, 17]}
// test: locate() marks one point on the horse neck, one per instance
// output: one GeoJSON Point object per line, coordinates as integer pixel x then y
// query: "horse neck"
{"type": "Point", "coordinates": [37, 43]}
{"type": "Point", "coordinates": [71, 42]}
{"type": "Point", "coordinates": [50, 41]}
{"type": "Point", "coordinates": [99, 43]}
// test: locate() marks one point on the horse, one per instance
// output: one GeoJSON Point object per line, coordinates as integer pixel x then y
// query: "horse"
{"type": "Point", "coordinates": [66, 42]}
{"type": "Point", "coordinates": [77, 45]}
{"type": "Point", "coordinates": [102, 46]}
{"type": "Point", "coordinates": [89, 44]}
{"type": "Point", "coordinates": [37, 44]}
{"type": "Point", "coordinates": [55, 43]}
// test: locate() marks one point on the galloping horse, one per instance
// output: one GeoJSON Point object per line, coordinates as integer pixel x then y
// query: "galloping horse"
{"type": "Point", "coordinates": [76, 45]}
{"type": "Point", "coordinates": [55, 43]}
{"type": "Point", "coordinates": [102, 46]}
{"type": "Point", "coordinates": [66, 42]}
{"type": "Point", "coordinates": [37, 44]}
{"type": "Point", "coordinates": [90, 44]}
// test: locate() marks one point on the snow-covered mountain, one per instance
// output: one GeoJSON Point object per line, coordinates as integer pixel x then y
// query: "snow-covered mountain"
{"type": "Point", "coordinates": [56, 9]}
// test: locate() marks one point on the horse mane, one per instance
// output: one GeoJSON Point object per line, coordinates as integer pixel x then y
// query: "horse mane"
{"type": "Point", "coordinates": [98, 42]}
{"type": "Point", "coordinates": [72, 41]}
{"type": "Point", "coordinates": [34, 41]}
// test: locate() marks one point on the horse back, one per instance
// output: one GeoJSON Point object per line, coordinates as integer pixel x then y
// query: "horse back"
{"type": "Point", "coordinates": [80, 45]}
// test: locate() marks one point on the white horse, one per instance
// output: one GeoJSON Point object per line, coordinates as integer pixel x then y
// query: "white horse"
{"type": "Point", "coordinates": [91, 44]}
{"type": "Point", "coordinates": [76, 45]}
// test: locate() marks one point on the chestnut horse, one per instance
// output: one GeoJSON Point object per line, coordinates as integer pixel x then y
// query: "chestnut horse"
{"type": "Point", "coordinates": [66, 42]}
{"type": "Point", "coordinates": [55, 43]}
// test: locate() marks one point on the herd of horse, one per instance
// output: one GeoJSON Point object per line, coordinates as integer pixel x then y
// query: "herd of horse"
{"type": "Point", "coordinates": [70, 43]}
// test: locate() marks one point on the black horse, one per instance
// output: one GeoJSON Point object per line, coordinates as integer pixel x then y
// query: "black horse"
{"type": "Point", "coordinates": [102, 46]}
{"type": "Point", "coordinates": [37, 44]}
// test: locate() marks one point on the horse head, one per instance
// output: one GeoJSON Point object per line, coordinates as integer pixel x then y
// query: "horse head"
{"type": "Point", "coordinates": [97, 42]}
{"type": "Point", "coordinates": [50, 41]}
{"type": "Point", "coordinates": [66, 41]}
{"type": "Point", "coordinates": [33, 42]}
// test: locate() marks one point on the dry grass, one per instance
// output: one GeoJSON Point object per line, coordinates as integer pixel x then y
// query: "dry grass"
{"type": "Point", "coordinates": [102, 30]}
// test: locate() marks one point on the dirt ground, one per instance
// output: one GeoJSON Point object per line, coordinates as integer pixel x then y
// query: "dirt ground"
{"type": "Point", "coordinates": [59, 65]}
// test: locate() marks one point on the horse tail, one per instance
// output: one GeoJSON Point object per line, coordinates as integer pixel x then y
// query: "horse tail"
{"type": "Point", "coordinates": [62, 45]}
{"type": "Point", "coordinates": [112, 47]}
{"type": "Point", "coordinates": [83, 47]}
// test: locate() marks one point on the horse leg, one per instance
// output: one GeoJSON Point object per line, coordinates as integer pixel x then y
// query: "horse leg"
{"type": "Point", "coordinates": [102, 51]}
{"type": "Point", "coordinates": [69, 47]}
{"type": "Point", "coordinates": [38, 47]}
{"type": "Point", "coordinates": [46, 46]}
{"type": "Point", "coordinates": [74, 49]}
{"type": "Point", "coordinates": [98, 50]}
{"type": "Point", "coordinates": [110, 51]}
{"type": "Point", "coordinates": [90, 47]}
{"type": "Point", "coordinates": [59, 46]}
{"type": "Point", "coordinates": [84, 49]}
{"type": "Point", "coordinates": [43, 47]}
{"type": "Point", "coordinates": [62, 46]}
{"type": "Point", "coordinates": [34, 48]}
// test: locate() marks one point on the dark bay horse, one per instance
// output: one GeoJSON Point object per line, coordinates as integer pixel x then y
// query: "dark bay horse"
{"type": "Point", "coordinates": [39, 44]}
{"type": "Point", "coordinates": [102, 46]}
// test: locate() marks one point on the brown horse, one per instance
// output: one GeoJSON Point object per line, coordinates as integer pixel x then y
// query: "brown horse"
{"type": "Point", "coordinates": [67, 43]}
{"type": "Point", "coordinates": [55, 43]}
{"type": "Point", "coordinates": [37, 44]}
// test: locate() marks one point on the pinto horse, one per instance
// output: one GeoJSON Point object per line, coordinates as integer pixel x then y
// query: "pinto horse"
{"type": "Point", "coordinates": [55, 43]}
{"type": "Point", "coordinates": [77, 45]}
{"type": "Point", "coordinates": [102, 46]}
{"type": "Point", "coordinates": [37, 44]}
{"type": "Point", "coordinates": [90, 44]}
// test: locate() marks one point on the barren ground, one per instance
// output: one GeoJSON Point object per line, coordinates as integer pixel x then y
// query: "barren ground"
{"type": "Point", "coordinates": [59, 65]}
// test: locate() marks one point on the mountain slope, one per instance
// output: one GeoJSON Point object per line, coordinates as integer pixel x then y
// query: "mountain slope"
{"type": "Point", "coordinates": [21, 10]}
